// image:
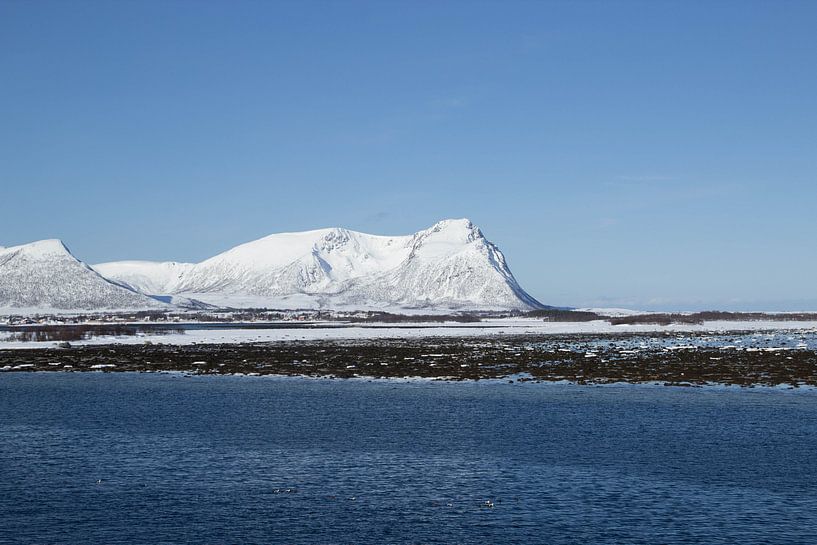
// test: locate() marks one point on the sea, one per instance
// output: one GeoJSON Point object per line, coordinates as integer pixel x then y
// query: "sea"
{"type": "Point", "coordinates": [116, 458]}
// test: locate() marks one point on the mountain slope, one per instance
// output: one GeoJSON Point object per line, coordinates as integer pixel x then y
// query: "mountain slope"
{"type": "Point", "coordinates": [45, 276]}
{"type": "Point", "coordinates": [450, 266]}
{"type": "Point", "coordinates": [144, 276]}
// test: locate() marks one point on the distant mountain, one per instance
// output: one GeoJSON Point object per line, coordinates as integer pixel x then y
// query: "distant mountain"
{"type": "Point", "coordinates": [44, 276]}
{"type": "Point", "coordinates": [450, 266]}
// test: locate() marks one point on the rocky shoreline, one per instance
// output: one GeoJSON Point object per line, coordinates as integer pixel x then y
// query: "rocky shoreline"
{"type": "Point", "coordinates": [584, 359]}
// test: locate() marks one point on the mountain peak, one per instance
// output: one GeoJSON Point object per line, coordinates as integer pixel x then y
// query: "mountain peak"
{"type": "Point", "coordinates": [44, 275]}
{"type": "Point", "coordinates": [455, 223]}
{"type": "Point", "coordinates": [448, 232]}
{"type": "Point", "coordinates": [42, 248]}
{"type": "Point", "coordinates": [462, 228]}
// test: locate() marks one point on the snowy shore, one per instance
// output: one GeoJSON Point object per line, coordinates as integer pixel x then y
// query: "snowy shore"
{"type": "Point", "coordinates": [488, 327]}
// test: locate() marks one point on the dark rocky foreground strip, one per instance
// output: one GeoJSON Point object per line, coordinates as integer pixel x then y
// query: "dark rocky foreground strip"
{"type": "Point", "coordinates": [575, 358]}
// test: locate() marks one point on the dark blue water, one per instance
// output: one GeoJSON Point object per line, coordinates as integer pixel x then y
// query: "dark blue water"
{"type": "Point", "coordinates": [210, 459]}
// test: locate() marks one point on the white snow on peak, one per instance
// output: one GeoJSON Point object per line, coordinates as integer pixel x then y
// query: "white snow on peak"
{"type": "Point", "coordinates": [445, 237]}
{"type": "Point", "coordinates": [41, 248]}
{"type": "Point", "coordinates": [46, 276]}
{"type": "Point", "coordinates": [449, 265]}
{"type": "Point", "coordinates": [282, 249]}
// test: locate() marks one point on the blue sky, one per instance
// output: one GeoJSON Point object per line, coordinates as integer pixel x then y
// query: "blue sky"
{"type": "Point", "coordinates": [640, 154]}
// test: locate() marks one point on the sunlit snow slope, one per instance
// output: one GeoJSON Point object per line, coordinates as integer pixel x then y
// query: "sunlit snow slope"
{"type": "Point", "coordinates": [44, 276]}
{"type": "Point", "coordinates": [449, 266]}
{"type": "Point", "coordinates": [150, 277]}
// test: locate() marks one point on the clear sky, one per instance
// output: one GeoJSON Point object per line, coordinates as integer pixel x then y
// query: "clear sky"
{"type": "Point", "coordinates": [639, 154]}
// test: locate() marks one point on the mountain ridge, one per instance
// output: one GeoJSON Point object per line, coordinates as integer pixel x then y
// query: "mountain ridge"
{"type": "Point", "coordinates": [449, 265]}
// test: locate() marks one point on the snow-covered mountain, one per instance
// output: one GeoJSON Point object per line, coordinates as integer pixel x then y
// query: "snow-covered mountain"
{"type": "Point", "coordinates": [44, 276]}
{"type": "Point", "coordinates": [451, 265]}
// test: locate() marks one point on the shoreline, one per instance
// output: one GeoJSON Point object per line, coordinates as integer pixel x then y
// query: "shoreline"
{"type": "Point", "coordinates": [443, 381]}
{"type": "Point", "coordinates": [576, 358]}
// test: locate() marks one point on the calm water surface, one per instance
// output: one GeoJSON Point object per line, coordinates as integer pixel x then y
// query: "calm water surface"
{"type": "Point", "coordinates": [140, 458]}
